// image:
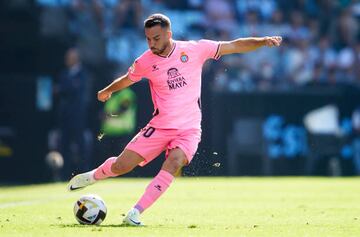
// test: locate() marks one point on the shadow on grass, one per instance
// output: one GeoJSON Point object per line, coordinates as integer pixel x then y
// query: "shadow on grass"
{"type": "Point", "coordinates": [96, 226]}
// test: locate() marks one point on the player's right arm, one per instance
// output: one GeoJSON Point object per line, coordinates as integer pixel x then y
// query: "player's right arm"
{"type": "Point", "coordinates": [135, 73]}
{"type": "Point", "coordinates": [117, 85]}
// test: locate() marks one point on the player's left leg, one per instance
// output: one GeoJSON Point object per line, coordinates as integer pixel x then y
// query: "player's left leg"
{"type": "Point", "coordinates": [175, 161]}
{"type": "Point", "coordinates": [180, 152]}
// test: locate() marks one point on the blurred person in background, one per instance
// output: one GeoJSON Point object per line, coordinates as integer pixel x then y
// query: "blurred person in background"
{"type": "Point", "coordinates": [345, 29]}
{"type": "Point", "coordinates": [357, 63]}
{"type": "Point", "coordinates": [73, 95]}
{"type": "Point", "coordinates": [356, 142]}
{"type": "Point", "coordinates": [220, 16]}
{"type": "Point", "coordinates": [251, 26]}
{"type": "Point", "coordinates": [87, 25]}
{"type": "Point", "coordinates": [173, 69]}
{"type": "Point", "coordinates": [128, 15]}
{"type": "Point", "coordinates": [277, 24]}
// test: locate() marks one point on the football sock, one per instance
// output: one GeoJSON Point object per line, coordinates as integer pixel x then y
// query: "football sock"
{"type": "Point", "coordinates": [158, 186]}
{"type": "Point", "coordinates": [104, 170]}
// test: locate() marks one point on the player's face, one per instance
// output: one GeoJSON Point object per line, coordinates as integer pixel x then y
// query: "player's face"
{"type": "Point", "coordinates": [158, 39]}
{"type": "Point", "coordinates": [71, 57]}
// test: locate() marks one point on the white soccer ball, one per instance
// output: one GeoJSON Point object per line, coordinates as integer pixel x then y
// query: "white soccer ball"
{"type": "Point", "coordinates": [90, 209]}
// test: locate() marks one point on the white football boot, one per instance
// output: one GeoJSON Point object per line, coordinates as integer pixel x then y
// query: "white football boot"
{"type": "Point", "coordinates": [81, 181]}
{"type": "Point", "coordinates": [133, 218]}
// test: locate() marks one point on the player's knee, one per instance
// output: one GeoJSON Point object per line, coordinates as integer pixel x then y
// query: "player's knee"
{"type": "Point", "coordinates": [173, 164]}
{"type": "Point", "coordinates": [121, 168]}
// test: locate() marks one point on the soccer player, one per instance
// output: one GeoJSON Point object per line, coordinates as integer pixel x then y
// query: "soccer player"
{"type": "Point", "coordinates": [173, 69]}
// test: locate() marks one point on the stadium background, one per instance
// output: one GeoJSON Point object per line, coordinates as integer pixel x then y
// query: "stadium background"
{"type": "Point", "coordinates": [256, 106]}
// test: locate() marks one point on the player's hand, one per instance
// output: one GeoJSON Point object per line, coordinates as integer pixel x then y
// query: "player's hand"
{"type": "Point", "coordinates": [271, 41]}
{"type": "Point", "coordinates": [103, 95]}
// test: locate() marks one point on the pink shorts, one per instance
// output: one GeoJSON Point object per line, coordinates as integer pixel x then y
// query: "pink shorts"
{"type": "Point", "coordinates": [151, 142]}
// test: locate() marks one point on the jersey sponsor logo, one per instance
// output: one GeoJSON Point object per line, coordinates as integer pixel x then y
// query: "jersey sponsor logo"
{"type": "Point", "coordinates": [173, 73]}
{"type": "Point", "coordinates": [184, 58]}
{"type": "Point", "coordinates": [175, 80]}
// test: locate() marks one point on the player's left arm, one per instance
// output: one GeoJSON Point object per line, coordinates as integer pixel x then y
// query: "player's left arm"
{"type": "Point", "coordinates": [243, 45]}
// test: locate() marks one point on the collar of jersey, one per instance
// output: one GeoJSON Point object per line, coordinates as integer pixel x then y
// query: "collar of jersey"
{"type": "Point", "coordinates": [171, 52]}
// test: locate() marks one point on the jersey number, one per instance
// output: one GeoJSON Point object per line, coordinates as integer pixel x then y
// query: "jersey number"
{"type": "Point", "coordinates": [149, 132]}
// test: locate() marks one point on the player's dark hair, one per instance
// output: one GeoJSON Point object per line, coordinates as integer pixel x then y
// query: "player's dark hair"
{"type": "Point", "coordinates": [157, 19]}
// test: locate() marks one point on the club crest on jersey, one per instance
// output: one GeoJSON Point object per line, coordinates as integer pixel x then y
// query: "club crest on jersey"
{"type": "Point", "coordinates": [184, 58]}
{"type": "Point", "coordinates": [175, 80]}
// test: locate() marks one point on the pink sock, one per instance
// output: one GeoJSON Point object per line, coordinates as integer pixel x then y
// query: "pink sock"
{"type": "Point", "coordinates": [158, 186]}
{"type": "Point", "coordinates": [104, 170]}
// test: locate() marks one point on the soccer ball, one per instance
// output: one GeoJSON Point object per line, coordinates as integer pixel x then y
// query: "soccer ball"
{"type": "Point", "coordinates": [90, 209]}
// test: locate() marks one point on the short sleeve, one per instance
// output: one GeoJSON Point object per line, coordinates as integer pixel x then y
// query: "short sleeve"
{"type": "Point", "coordinates": [209, 49]}
{"type": "Point", "coordinates": [135, 71]}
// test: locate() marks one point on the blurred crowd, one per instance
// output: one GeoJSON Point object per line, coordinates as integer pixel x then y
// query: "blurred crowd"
{"type": "Point", "coordinates": [321, 39]}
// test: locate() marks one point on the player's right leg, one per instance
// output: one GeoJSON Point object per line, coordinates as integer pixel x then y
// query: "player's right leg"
{"type": "Point", "coordinates": [114, 166]}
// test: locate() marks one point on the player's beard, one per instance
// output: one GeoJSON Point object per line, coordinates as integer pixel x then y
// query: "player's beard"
{"type": "Point", "coordinates": [160, 51]}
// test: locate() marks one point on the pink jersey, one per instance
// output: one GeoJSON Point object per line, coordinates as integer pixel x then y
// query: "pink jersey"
{"type": "Point", "coordinates": [175, 82]}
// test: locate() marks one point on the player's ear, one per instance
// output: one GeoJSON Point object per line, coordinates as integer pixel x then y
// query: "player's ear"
{"type": "Point", "coordinates": [169, 33]}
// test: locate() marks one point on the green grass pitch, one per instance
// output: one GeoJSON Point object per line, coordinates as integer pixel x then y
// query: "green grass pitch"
{"type": "Point", "coordinates": [192, 207]}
